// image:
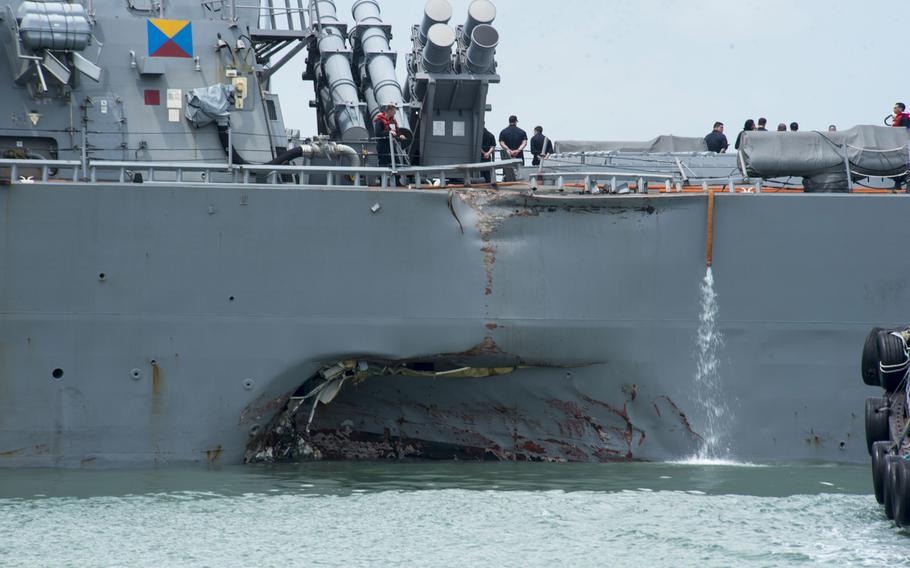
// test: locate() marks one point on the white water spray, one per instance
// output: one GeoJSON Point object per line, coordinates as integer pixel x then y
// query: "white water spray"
{"type": "Point", "coordinates": [708, 387]}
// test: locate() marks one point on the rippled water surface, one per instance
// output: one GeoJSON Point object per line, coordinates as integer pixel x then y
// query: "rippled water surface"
{"type": "Point", "coordinates": [449, 514]}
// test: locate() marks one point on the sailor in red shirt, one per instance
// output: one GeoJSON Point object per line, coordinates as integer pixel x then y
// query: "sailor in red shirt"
{"type": "Point", "coordinates": [383, 125]}
{"type": "Point", "coordinates": [901, 118]}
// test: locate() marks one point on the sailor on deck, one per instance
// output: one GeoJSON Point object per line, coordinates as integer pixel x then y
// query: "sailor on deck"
{"type": "Point", "coordinates": [512, 141]}
{"type": "Point", "coordinates": [749, 126]}
{"type": "Point", "coordinates": [541, 147]}
{"type": "Point", "coordinates": [383, 125]}
{"type": "Point", "coordinates": [716, 141]}
{"type": "Point", "coordinates": [487, 147]}
{"type": "Point", "coordinates": [901, 118]}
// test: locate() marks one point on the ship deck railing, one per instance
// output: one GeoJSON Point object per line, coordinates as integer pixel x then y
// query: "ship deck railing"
{"type": "Point", "coordinates": [48, 168]}
{"type": "Point", "coordinates": [238, 173]}
{"type": "Point", "coordinates": [23, 171]}
{"type": "Point", "coordinates": [621, 182]}
{"type": "Point", "coordinates": [95, 171]}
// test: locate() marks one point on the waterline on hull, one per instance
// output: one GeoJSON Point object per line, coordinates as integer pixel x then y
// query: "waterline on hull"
{"type": "Point", "coordinates": [721, 462]}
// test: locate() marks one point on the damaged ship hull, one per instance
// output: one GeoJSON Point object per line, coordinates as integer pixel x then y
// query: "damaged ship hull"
{"type": "Point", "coordinates": [155, 323]}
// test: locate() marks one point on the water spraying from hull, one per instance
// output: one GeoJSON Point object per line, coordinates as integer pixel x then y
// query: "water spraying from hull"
{"type": "Point", "coordinates": [708, 387]}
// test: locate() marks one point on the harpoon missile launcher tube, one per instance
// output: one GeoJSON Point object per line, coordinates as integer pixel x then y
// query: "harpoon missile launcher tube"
{"type": "Point", "coordinates": [480, 12]}
{"type": "Point", "coordinates": [435, 12]}
{"type": "Point", "coordinates": [378, 60]}
{"type": "Point", "coordinates": [481, 55]}
{"type": "Point", "coordinates": [343, 106]}
{"type": "Point", "coordinates": [437, 53]}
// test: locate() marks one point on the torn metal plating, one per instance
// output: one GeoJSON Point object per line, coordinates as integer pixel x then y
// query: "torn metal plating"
{"type": "Point", "coordinates": [397, 425]}
{"type": "Point", "coordinates": [281, 439]}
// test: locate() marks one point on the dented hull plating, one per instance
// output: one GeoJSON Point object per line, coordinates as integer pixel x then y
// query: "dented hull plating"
{"type": "Point", "coordinates": [151, 323]}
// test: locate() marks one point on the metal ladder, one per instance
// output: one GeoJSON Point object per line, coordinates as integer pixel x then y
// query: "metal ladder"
{"type": "Point", "coordinates": [400, 157]}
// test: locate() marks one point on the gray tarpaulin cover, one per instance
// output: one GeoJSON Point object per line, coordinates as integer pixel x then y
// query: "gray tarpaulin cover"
{"type": "Point", "coordinates": [209, 104]}
{"type": "Point", "coordinates": [871, 150]}
{"type": "Point", "coordinates": [666, 143]}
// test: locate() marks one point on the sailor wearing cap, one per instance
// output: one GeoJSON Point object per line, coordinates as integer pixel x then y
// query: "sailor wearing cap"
{"type": "Point", "coordinates": [512, 141]}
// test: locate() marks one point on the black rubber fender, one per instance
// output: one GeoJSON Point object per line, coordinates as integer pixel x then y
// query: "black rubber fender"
{"type": "Point", "coordinates": [902, 493]}
{"type": "Point", "coordinates": [888, 488]}
{"type": "Point", "coordinates": [880, 450]}
{"type": "Point", "coordinates": [870, 360]}
{"type": "Point", "coordinates": [877, 423]}
{"type": "Point", "coordinates": [892, 360]}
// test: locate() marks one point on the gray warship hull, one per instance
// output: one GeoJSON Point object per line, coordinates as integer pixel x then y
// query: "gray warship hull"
{"type": "Point", "coordinates": [158, 323]}
{"type": "Point", "coordinates": [163, 311]}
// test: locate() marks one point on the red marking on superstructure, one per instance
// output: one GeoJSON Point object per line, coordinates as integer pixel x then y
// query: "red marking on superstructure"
{"type": "Point", "coordinates": [152, 97]}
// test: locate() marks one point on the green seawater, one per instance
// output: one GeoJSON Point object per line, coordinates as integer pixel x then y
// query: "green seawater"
{"type": "Point", "coordinates": [448, 514]}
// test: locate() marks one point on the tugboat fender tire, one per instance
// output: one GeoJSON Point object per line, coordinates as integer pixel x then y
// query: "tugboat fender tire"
{"type": "Point", "coordinates": [879, 453]}
{"type": "Point", "coordinates": [869, 367]}
{"type": "Point", "coordinates": [902, 494]}
{"type": "Point", "coordinates": [890, 481]}
{"type": "Point", "coordinates": [893, 360]}
{"type": "Point", "coordinates": [877, 428]}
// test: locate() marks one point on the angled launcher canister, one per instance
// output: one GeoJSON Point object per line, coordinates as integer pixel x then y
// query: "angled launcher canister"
{"type": "Point", "coordinates": [338, 99]}
{"type": "Point", "coordinates": [375, 61]}
{"type": "Point", "coordinates": [449, 73]}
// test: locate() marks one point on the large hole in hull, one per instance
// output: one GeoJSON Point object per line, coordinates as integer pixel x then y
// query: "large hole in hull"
{"type": "Point", "coordinates": [289, 436]}
{"type": "Point", "coordinates": [449, 408]}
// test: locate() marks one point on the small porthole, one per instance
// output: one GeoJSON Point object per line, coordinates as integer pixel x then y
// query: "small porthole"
{"type": "Point", "coordinates": [231, 299]}
{"type": "Point", "coordinates": [57, 373]}
{"type": "Point", "coordinates": [102, 276]}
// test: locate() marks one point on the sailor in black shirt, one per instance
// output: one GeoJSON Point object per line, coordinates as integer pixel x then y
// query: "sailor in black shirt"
{"type": "Point", "coordinates": [512, 141]}
{"type": "Point", "coordinates": [540, 146]}
{"type": "Point", "coordinates": [716, 141]}
{"type": "Point", "coordinates": [749, 126]}
{"type": "Point", "coordinates": [487, 147]}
